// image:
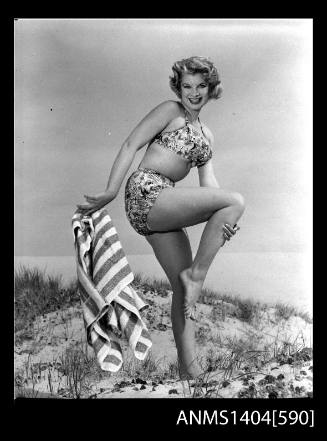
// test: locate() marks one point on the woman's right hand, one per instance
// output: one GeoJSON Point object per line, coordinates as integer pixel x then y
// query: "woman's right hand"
{"type": "Point", "coordinates": [95, 203]}
{"type": "Point", "coordinates": [229, 232]}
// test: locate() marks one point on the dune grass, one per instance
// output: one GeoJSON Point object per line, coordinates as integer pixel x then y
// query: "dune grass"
{"type": "Point", "coordinates": [37, 294]}
{"type": "Point", "coordinates": [245, 309]}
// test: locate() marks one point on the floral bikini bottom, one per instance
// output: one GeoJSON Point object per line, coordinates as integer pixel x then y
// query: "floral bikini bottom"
{"type": "Point", "coordinates": [141, 191]}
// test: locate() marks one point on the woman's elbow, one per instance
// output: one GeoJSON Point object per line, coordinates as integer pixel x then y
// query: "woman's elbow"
{"type": "Point", "coordinates": [130, 146]}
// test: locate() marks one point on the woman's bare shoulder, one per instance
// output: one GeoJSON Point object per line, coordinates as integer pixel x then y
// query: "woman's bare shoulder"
{"type": "Point", "coordinates": [170, 106]}
{"type": "Point", "coordinates": [171, 113]}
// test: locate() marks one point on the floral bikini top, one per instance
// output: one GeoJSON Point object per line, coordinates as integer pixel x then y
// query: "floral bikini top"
{"type": "Point", "coordinates": [187, 142]}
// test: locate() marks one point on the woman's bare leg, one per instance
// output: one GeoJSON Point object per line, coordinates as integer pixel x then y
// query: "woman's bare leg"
{"type": "Point", "coordinates": [174, 254]}
{"type": "Point", "coordinates": [210, 243]}
{"type": "Point", "coordinates": [181, 207]}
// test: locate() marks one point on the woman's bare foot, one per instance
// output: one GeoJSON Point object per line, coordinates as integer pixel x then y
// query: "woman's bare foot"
{"type": "Point", "coordinates": [191, 372]}
{"type": "Point", "coordinates": [194, 373]}
{"type": "Point", "coordinates": [192, 291]}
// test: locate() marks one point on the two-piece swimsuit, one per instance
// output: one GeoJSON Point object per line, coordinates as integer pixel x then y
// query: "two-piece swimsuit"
{"type": "Point", "coordinates": [144, 185]}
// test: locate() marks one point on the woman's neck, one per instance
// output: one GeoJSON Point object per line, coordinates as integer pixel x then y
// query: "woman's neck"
{"type": "Point", "coordinates": [193, 115]}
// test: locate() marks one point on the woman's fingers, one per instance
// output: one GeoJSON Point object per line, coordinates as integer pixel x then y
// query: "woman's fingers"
{"type": "Point", "coordinates": [88, 212]}
{"type": "Point", "coordinates": [86, 206]}
{"type": "Point", "coordinates": [227, 233]}
{"type": "Point", "coordinates": [93, 198]}
{"type": "Point", "coordinates": [230, 231]}
{"type": "Point", "coordinates": [90, 203]}
{"type": "Point", "coordinates": [83, 206]}
{"type": "Point", "coordinates": [93, 204]}
{"type": "Point", "coordinates": [87, 209]}
{"type": "Point", "coordinates": [236, 227]}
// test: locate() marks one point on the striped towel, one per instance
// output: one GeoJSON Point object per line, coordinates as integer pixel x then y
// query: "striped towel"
{"type": "Point", "coordinates": [111, 307]}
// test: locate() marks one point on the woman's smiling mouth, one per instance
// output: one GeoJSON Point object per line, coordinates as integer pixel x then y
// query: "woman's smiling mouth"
{"type": "Point", "coordinates": [195, 100]}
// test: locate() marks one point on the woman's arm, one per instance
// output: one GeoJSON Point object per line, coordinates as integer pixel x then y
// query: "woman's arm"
{"type": "Point", "coordinates": [153, 123]}
{"type": "Point", "coordinates": [207, 179]}
{"type": "Point", "coordinates": [207, 176]}
{"type": "Point", "coordinates": [206, 173]}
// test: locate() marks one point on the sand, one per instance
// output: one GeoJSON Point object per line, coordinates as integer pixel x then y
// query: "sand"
{"type": "Point", "coordinates": [40, 351]}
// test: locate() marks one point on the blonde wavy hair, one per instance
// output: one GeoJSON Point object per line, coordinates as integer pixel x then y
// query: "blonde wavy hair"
{"type": "Point", "coordinates": [195, 65]}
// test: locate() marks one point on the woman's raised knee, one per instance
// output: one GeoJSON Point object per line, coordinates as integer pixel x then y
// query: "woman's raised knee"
{"type": "Point", "coordinates": [238, 201]}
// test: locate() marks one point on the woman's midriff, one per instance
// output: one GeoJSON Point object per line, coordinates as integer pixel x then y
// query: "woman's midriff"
{"type": "Point", "coordinates": [165, 162]}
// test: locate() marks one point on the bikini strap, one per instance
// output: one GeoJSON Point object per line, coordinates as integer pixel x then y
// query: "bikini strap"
{"type": "Point", "coordinates": [202, 130]}
{"type": "Point", "coordinates": [186, 118]}
{"type": "Point", "coordinates": [187, 122]}
{"type": "Point", "coordinates": [185, 114]}
{"type": "Point", "coordinates": [201, 127]}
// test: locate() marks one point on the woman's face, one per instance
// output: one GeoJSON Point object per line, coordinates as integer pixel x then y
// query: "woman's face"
{"type": "Point", "coordinates": [194, 91]}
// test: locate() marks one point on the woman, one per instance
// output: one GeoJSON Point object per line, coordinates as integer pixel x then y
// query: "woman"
{"type": "Point", "coordinates": [156, 209]}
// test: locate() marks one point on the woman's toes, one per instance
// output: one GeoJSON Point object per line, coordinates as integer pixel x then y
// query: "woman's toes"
{"type": "Point", "coordinates": [192, 313]}
{"type": "Point", "coordinates": [189, 312]}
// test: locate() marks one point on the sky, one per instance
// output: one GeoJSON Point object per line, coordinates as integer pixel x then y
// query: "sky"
{"type": "Point", "coordinates": [81, 86]}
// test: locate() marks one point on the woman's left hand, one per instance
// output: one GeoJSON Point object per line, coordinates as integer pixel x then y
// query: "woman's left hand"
{"type": "Point", "coordinates": [229, 231]}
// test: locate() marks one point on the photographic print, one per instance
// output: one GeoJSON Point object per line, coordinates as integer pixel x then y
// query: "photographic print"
{"type": "Point", "coordinates": [163, 208]}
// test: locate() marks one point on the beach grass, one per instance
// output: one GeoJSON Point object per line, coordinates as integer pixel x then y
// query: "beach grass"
{"type": "Point", "coordinates": [245, 309]}
{"type": "Point", "coordinates": [37, 294]}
